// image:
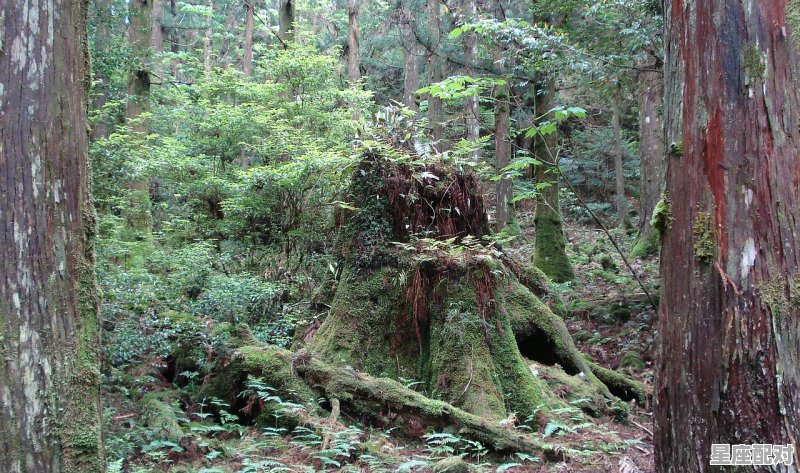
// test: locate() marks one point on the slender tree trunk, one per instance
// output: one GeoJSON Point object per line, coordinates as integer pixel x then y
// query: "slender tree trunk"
{"type": "Point", "coordinates": [471, 104]}
{"type": "Point", "coordinates": [207, 39]}
{"type": "Point", "coordinates": [50, 410]}
{"type": "Point", "coordinates": [227, 53]}
{"type": "Point", "coordinates": [435, 74]}
{"type": "Point", "coordinates": [247, 60]}
{"type": "Point", "coordinates": [354, 50]}
{"type": "Point", "coordinates": [550, 246]}
{"type": "Point", "coordinates": [140, 20]}
{"type": "Point", "coordinates": [729, 319]}
{"type": "Point", "coordinates": [411, 54]}
{"type": "Point", "coordinates": [286, 16]}
{"type": "Point", "coordinates": [619, 175]}
{"type": "Point", "coordinates": [175, 37]}
{"type": "Point", "coordinates": [651, 161]}
{"type": "Point", "coordinates": [100, 87]}
{"type": "Point", "coordinates": [504, 191]}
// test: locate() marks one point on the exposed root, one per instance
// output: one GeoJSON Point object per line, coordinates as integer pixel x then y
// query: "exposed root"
{"type": "Point", "coordinates": [379, 400]}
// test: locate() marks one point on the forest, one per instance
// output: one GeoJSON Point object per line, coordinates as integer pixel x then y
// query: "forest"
{"type": "Point", "coordinates": [448, 236]}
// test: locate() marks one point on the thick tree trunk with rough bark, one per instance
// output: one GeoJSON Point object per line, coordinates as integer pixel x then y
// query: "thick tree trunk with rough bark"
{"type": "Point", "coordinates": [353, 38]}
{"type": "Point", "coordinates": [729, 357]}
{"type": "Point", "coordinates": [50, 411]}
{"type": "Point", "coordinates": [247, 59]}
{"type": "Point", "coordinates": [286, 19]}
{"type": "Point", "coordinates": [651, 159]}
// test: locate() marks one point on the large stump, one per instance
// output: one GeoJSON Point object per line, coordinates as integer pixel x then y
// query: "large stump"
{"type": "Point", "coordinates": [425, 297]}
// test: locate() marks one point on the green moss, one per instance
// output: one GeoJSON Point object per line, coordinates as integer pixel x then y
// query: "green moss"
{"type": "Point", "coordinates": [753, 64]}
{"type": "Point", "coordinates": [620, 385]}
{"type": "Point", "coordinates": [676, 149]}
{"type": "Point", "coordinates": [632, 359]}
{"type": "Point", "coordinates": [645, 245]}
{"type": "Point", "coordinates": [774, 294]}
{"type": "Point", "coordinates": [575, 389]}
{"type": "Point", "coordinates": [662, 215]}
{"type": "Point", "coordinates": [705, 241]}
{"type": "Point", "coordinates": [159, 416]}
{"type": "Point", "coordinates": [542, 287]}
{"type": "Point", "coordinates": [550, 254]}
{"type": "Point", "coordinates": [367, 327]}
{"type": "Point", "coordinates": [533, 322]}
{"type": "Point", "coordinates": [620, 313]}
{"type": "Point", "coordinates": [452, 465]}
{"type": "Point", "coordinates": [461, 367]}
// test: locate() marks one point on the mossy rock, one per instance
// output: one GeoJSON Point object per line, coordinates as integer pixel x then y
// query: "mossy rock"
{"type": "Point", "coordinates": [452, 465]}
{"type": "Point", "coordinates": [620, 312]}
{"type": "Point", "coordinates": [632, 360]}
{"type": "Point", "coordinates": [159, 415]}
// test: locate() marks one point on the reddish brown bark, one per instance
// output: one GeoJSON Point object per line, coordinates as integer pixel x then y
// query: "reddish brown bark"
{"type": "Point", "coordinates": [50, 411]}
{"type": "Point", "coordinates": [729, 357]}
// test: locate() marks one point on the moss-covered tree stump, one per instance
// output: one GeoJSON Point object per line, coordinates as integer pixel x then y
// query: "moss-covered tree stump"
{"type": "Point", "coordinates": [426, 298]}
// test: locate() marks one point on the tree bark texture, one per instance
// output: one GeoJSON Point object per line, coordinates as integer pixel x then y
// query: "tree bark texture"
{"type": "Point", "coordinates": [619, 174]}
{"type": "Point", "coordinates": [729, 321]}
{"type": "Point", "coordinates": [353, 37]}
{"type": "Point", "coordinates": [247, 60]}
{"type": "Point", "coordinates": [412, 51]}
{"type": "Point", "coordinates": [471, 104]}
{"type": "Point", "coordinates": [140, 18]}
{"type": "Point", "coordinates": [208, 38]}
{"type": "Point", "coordinates": [435, 74]}
{"type": "Point", "coordinates": [286, 15]}
{"type": "Point", "coordinates": [651, 159]}
{"type": "Point", "coordinates": [50, 411]}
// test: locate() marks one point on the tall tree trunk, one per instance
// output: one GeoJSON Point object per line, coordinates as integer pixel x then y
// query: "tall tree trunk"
{"type": "Point", "coordinates": [729, 319]}
{"type": "Point", "coordinates": [207, 38]}
{"type": "Point", "coordinates": [435, 74]}
{"type": "Point", "coordinates": [227, 52]}
{"type": "Point", "coordinates": [175, 37]}
{"type": "Point", "coordinates": [354, 50]}
{"type": "Point", "coordinates": [550, 245]}
{"type": "Point", "coordinates": [411, 54]}
{"type": "Point", "coordinates": [247, 60]}
{"type": "Point", "coordinates": [286, 15]}
{"type": "Point", "coordinates": [504, 211]}
{"type": "Point", "coordinates": [157, 36]}
{"type": "Point", "coordinates": [101, 16]}
{"type": "Point", "coordinates": [140, 18]}
{"type": "Point", "coordinates": [651, 160]}
{"type": "Point", "coordinates": [619, 175]}
{"type": "Point", "coordinates": [471, 104]}
{"type": "Point", "coordinates": [50, 410]}
{"type": "Point", "coordinates": [504, 191]}
{"type": "Point", "coordinates": [137, 214]}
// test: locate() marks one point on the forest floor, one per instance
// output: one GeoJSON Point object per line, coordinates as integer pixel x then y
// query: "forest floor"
{"type": "Point", "coordinates": [610, 320]}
